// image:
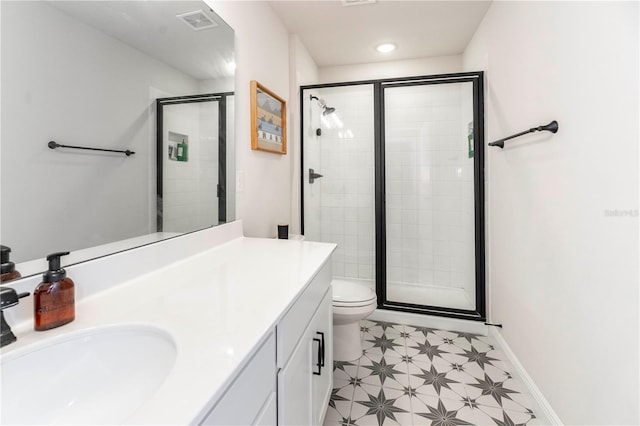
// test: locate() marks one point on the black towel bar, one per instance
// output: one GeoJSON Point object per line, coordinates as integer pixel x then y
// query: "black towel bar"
{"type": "Point", "coordinates": [551, 127]}
{"type": "Point", "coordinates": [54, 145]}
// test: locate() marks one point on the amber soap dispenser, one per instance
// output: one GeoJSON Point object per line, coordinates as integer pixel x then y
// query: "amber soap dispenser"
{"type": "Point", "coordinates": [54, 297]}
{"type": "Point", "coordinates": [8, 267]}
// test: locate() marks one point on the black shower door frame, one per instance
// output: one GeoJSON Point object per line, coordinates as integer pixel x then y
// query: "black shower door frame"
{"type": "Point", "coordinates": [477, 80]}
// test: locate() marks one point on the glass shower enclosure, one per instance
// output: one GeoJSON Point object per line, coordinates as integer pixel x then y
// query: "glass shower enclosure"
{"type": "Point", "coordinates": [392, 175]}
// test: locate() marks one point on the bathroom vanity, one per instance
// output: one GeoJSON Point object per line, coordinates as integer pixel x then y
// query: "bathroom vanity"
{"type": "Point", "coordinates": [232, 330]}
{"type": "Point", "coordinates": [293, 366]}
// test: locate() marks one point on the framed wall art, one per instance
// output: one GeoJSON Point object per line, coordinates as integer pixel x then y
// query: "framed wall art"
{"type": "Point", "coordinates": [268, 120]}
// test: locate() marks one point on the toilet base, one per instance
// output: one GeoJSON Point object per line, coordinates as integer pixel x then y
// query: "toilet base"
{"type": "Point", "coordinates": [347, 344]}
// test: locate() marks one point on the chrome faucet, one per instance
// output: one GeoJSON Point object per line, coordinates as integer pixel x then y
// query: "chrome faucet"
{"type": "Point", "coordinates": [8, 298]}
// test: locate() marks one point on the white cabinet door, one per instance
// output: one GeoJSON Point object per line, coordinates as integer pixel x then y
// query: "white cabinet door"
{"type": "Point", "coordinates": [305, 382]}
{"type": "Point", "coordinates": [322, 383]}
{"type": "Point", "coordinates": [294, 385]}
{"type": "Point", "coordinates": [305, 355]}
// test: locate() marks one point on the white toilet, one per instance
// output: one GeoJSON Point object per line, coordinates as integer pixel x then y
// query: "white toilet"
{"type": "Point", "coordinates": [352, 302]}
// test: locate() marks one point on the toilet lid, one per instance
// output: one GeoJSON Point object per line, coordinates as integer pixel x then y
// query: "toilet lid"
{"type": "Point", "coordinates": [347, 292]}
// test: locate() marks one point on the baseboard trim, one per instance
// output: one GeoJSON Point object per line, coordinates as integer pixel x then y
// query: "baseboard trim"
{"type": "Point", "coordinates": [443, 323]}
{"type": "Point", "coordinates": [545, 413]}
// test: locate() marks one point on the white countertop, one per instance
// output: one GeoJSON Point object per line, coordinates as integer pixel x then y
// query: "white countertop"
{"type": "Point", "coordinates": [217, 306]}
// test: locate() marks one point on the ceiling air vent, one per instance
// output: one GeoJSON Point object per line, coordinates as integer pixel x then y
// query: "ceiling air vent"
{"type": "Point", "coordinates": [197, 20]}
{"type": "Point", "coordinates": [346, 3]}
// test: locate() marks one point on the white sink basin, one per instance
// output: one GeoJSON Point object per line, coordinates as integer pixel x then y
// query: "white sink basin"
{"type": "Point", "coordinates": [97, 376]}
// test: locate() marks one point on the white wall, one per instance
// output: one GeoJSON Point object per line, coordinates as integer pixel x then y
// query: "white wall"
{"type": "Point", "coordinates": [262, 54]}
{"type": "Point", "coordinates": [390, 69]}
{"type": "Point", "coordinates": [63, 199]}
{"type": "Point", "coordinates": [563, 271]}
{"type": "Point", "coordinates": [303, 71]}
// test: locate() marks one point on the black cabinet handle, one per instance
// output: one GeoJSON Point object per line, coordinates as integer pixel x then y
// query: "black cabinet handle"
{"type": "Point", "coordinates": [319, 364]}
{"type": "Point", "coordinates": [322, 344]}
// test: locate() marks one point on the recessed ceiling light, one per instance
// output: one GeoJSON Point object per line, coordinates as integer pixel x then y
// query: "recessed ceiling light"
{"type": "Point", "coordinates": [386, 47]}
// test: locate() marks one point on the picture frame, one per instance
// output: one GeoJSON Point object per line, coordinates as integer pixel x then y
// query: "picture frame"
{"type": "Point", "coordinates": [268, 120]}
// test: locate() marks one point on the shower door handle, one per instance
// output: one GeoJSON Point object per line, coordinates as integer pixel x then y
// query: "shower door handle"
{"type": "Point", "coordinates": [313, 176]}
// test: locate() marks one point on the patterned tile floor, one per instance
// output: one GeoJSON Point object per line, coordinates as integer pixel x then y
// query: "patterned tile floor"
{"type": "Point", "coordinates": [421, 376]}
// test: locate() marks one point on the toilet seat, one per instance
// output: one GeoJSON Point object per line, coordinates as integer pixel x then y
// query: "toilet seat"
{"type": "Point", "coordinates": [349, 294]}
{"type": "Point", "coordinates": [355, 304]}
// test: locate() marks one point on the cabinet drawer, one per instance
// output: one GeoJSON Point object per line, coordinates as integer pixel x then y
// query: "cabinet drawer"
{"type": "Point", "coordinates": [297, 318]}
{"type": "Point", "coordinates": [254, 388]}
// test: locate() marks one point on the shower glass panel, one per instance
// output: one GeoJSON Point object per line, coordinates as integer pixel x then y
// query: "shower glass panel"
{"type": "Point", "coordinates": [429, 190]}
{"type": "Point", "coordinates": [338, 176]}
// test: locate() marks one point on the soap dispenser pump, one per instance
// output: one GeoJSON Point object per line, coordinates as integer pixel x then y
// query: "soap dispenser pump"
{"type": "Point", "coordinates": [54, 297]}
{"type": "Point", "coordinates": [8, 267]}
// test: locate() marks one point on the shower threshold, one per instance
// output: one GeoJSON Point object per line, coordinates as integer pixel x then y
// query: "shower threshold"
{"type": "Point", "coordinates": [450, 297]}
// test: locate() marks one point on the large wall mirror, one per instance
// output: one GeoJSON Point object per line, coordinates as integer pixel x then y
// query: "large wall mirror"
{"type": "Point", "coordinates": [95, 74]}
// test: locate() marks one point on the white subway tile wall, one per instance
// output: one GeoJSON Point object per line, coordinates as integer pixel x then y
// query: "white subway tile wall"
{"type": "Point", "coordinates": [339, 207]}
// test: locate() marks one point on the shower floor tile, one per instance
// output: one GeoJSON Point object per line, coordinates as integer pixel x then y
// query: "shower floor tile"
{"type": "Point", "coordinates": [422, 376]}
